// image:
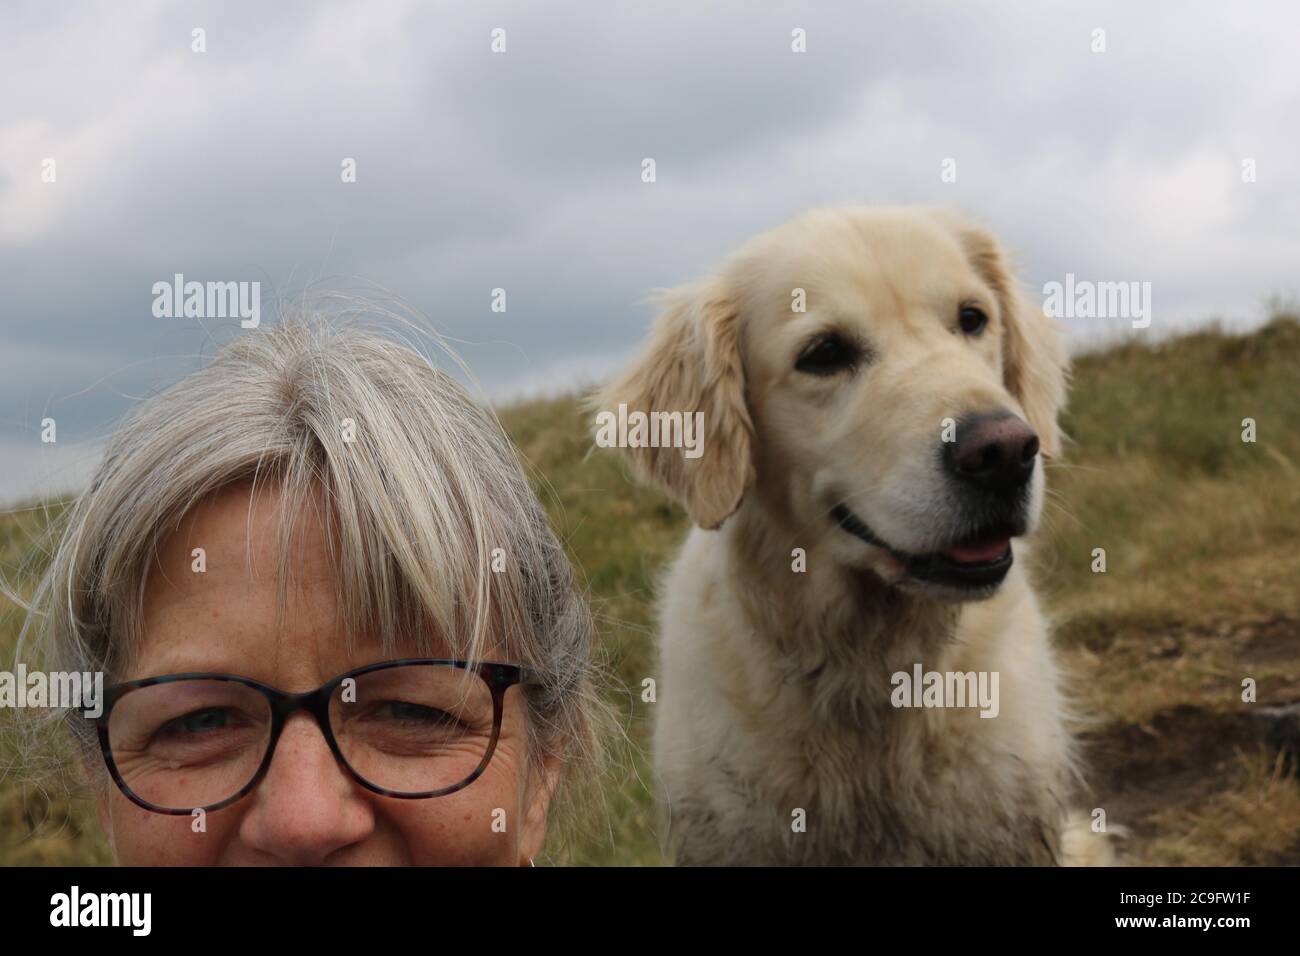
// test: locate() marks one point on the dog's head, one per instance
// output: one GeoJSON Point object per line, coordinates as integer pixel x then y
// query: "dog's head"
{"type": "Point", "coordinates": [870, 378]}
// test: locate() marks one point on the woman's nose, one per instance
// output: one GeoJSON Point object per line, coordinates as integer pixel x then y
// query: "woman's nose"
{"type": "Point", "coordinates": [307, 807]}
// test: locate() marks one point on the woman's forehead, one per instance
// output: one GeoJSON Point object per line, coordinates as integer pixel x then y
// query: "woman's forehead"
{"type": "Point", "coordinates": [212, 599]}
{"type": "Point", "coordinates": [228, 554]}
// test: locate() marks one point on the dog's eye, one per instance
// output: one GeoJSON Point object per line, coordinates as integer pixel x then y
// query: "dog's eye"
{"type": "Point", "coordinates": [972, 320]}
{"type": "Point", "coordinates": [826, 356]}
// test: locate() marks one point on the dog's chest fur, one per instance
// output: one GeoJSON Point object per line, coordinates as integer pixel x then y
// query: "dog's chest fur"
{"type": "Point", "coordinates": [783, 746]}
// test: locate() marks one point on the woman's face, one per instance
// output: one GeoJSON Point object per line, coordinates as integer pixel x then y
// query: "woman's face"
{"type": "Point", "coordinates": [307, 810]}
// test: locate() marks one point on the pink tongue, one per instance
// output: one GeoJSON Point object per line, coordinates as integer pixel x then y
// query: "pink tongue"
{"type": "Point", "coordinates": [990, 549]}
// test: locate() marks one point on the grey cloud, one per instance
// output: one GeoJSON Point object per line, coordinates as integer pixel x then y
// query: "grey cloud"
{"type": "Point", "coordinates": [522, 171]}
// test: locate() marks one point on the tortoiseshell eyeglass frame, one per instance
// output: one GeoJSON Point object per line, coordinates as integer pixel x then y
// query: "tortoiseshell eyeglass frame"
{"type": "Point", "coordinates": [499, 678]}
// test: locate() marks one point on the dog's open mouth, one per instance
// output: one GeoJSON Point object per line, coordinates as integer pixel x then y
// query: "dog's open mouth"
{"type": "Point", "coordinates": [979, 561]}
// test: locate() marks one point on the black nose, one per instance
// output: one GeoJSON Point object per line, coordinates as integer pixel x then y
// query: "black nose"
{"type": "Point", "coordinates": [993, 452]}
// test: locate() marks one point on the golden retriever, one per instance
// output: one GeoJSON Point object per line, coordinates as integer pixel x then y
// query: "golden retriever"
{"type": "Point", "coordinates": [877, 400]}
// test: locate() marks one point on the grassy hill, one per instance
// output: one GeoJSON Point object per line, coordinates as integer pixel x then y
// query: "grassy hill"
{"type": "Point", "coordinates": [1201, 533]}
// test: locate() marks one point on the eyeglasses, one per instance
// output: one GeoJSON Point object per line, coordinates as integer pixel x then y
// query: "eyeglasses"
{"type": "Point", "coordinates": [412, 729]}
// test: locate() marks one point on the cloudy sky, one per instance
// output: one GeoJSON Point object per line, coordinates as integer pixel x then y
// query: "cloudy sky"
{"type": "Point", "coordinates": [522, 169]}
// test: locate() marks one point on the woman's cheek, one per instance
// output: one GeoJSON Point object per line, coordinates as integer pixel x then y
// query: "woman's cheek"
{"type": "Point", "coordinates": [476, 826]}
{"type": "Point", "coordinates": [141, 838]}
{"type": "Point", "coordinates": [462, 829]}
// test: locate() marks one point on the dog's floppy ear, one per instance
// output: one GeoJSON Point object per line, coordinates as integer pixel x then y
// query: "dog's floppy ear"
{"type": "Point", "coordinates": [692, 364]}
{"type": "Point", "coordinates": [1034, 362]}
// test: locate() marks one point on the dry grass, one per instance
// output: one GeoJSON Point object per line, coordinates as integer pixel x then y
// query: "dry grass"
{"type": "Point", "coordinates": [1202, 540]}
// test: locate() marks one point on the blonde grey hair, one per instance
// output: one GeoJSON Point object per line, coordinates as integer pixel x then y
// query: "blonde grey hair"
{"type": "Point", "coordinates": [422, 487]}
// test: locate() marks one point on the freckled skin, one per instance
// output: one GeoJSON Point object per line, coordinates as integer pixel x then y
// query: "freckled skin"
{"type": "Point", "coordinates": [307, 810]}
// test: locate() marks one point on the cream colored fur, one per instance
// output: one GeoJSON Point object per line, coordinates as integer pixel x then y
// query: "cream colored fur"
{"type": "Point", "coordinates": [774, 684]}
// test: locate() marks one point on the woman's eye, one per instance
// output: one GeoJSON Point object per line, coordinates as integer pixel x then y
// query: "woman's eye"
{"type": "Point", "coordinates": [417, 713]}
{"type": "Point", "coordinates": [199, 722]}
{"type": "Point", "coordinates": [972, 320]}
{"type": "Point", "coordinates": [827, 356]}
